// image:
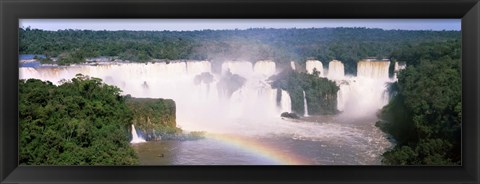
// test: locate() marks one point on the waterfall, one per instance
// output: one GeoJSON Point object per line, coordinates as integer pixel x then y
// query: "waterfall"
{"type": "Point", "coordinates": [292, 65]}
{"type": "Point", "coordinates": [243, 68]}
{"type": "Point", "coordinates": [286, 103]}
{"type": "Point", "coordinates": [198, 67]}
{"type": "Point", "coordinates": [336, 70]}
{"type": "Point", "coordinates": [314, 64]}
{"type": "Point", "coordinates": [398, 66]}
{"type": "Point", "coordinates": [342, 95]}
{"type": "Point", "coordinates": [135, 137]}
{"type": "Point", "coordinates": [360, 95]}
{"type": "Point", "coordinates": [373, 69]}
{"type": "Point", "coordinates": [305, 104]}
{"type": "Point", "coordinates": [266, 68]}
{"type": "Point", "coordinates": [365, 93]}
{"type": "Point", "coordinates": [201, 107]}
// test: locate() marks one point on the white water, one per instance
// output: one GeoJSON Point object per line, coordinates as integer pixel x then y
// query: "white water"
{"type": "Point", "coordinates": [198, 67]}
{"type": "Point", "coordinates": [253, 109]}
{"type": "Point", "coordinates": [359, 95]}
{"type": "Point", "coordinates": [305, 106]}
{"type": "Point", "coordinates": [398, 67]}
{"type": "Point", "coordinates": [286, 103]}
{"type": "Point", "coordinates": [199, 107]}
{"type": "Point", "coordinates": [314, 64]}
{"type": "Point", "coordinates": [373, 69]}
{"type": "Point", "coordinates": [243, 68]}
{"type": "Point", "coordinates": [266, 68]}
{"type": "Point", "coordinates": [135, 137]}
{"type": "Point", "coordinates": [292, 65]}
{"type": "Point", "coordinates": [336, 70]}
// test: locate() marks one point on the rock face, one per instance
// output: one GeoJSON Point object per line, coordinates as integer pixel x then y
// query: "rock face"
{"type": "Point", "coordinates": [229, 83]}
{"type": "Point", "coordinates": [153, 117]}
{"type": "Point", "coordinates": [204, 77]}
{"type": "Point", "coordinates": [290, 115]}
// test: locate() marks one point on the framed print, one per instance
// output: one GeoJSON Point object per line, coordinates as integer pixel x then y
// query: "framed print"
{"type": "Point", "coordinates": [251, 91]}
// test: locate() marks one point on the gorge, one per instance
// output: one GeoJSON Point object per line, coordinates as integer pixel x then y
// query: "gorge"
{"type": "Point", "coordinates": [240, 110]}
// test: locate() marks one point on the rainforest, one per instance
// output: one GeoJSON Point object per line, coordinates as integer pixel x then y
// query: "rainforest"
{"type": "Point", "coordinates": [259, 96]}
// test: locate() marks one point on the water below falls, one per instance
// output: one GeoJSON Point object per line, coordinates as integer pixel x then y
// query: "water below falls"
{"type": "Point", "coordinates": [135, 137]}
{"type": "Point", "coordinates": [305, 106]}
{"type": "Point", "coordinates": [246, 127]}
{"type": "Point", "coordinates": [277, 142]}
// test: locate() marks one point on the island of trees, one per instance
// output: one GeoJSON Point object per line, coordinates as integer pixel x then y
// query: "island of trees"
{"type": "Point", "coordinates": [155, 118]}
{"type": "Point", "coordinates": [320, 93]}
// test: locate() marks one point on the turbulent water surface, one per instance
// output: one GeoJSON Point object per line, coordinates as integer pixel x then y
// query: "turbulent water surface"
{"type": "Point", "coordinates": [245, 127]}
{"type": "Point", "coordinates": [327, 142]}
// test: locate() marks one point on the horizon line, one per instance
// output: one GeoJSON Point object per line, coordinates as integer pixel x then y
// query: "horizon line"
{"type": "Point", "coordinates": [237, 24]}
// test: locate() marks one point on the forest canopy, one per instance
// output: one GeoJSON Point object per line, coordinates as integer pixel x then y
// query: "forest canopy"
{"type": "Point", "coordinates": [425, 114]}
{"type": "Point", "coordinates": [281, 45]}
{"type": "Point", "coordinates": [85, 122]}
{"type": "Point", "coordinates": [80, 122]}
{"type": "Point", "coordinates": [320, 93]}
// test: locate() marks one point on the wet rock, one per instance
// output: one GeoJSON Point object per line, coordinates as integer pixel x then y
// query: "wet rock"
{"type": "Point", "coordinates": [290, 115]}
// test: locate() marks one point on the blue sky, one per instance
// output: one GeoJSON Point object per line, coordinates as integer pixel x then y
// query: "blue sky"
{"type": "Point", "coordinates": [216, 24]}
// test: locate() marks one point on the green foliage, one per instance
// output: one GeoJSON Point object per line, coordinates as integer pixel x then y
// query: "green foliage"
{"type": "Point", "coordinates": [81, 122]}
{"type": "Point", "coordinates": [155, 117]}
{"type": "Point", "coordinates": [77, 56]}
{"type": "Point", "coordinates": [321, 93]}
{"type": "Point", "coordinates": [425, 113]}
{"type": "Point", "coordinates": [427, 51]}
{"type": "Point", "coordinates": [281, 45]}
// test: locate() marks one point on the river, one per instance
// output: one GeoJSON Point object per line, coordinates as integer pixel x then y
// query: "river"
{"type": "Point", "coordinates": [330, 141]}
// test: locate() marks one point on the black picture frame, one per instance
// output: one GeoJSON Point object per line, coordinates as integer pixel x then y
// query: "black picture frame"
{"type": "Point", "coordinates": [13, 10]}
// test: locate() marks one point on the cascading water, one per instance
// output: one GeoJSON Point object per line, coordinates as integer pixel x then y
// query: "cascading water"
{"type": "Point", "coordinates": [305, 106]}
{"type": "Point", "coordinates": [198, 67]}
{"type": "Point", "coordinates": [364, 94]}
{"type": "Point", "coordinates": [135, 137]}
{"type": "Point", "coordinates": [243, 68]}
{"type": "Point", "coordinates": [266, 68]}
{"type": "Point", "coordinates": [199, 106]}
{"type": "Point", "coordinates": [175, 81]}
{"type": "Point", "coordinates": [336, 70]}
{"type": "Point", "coordinates": [314, 64]}
{"type": "Point", "coordinates": [398, 66]}
{"type": "Point", "coordinates": [251, 110]}
{"type": "Point", "coordinates": [286, 102]}
{"type": "Point", "coordinates": [373, 69]}
{"type": "Point", "coordinates": [292, 65]}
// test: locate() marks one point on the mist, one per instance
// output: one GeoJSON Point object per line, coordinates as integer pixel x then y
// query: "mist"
{"type": "Point", "coordinates": [238, 98]}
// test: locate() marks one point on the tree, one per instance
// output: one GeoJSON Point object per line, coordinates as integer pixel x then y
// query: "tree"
{"type": "Point", "coordinates": [81, 122]}
{"type": "Point", "coordinates": [425, 113]}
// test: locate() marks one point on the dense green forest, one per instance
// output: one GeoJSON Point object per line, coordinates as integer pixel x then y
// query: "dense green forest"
{"type": "Point", "coordinates": [320, 93]}
{"type": "Point", "coordinates": [85, 122]}
{"type": "Point", "coordinates": [154, 117]}
{"type": "Point", "coordinates": [81, 122]}
{"type": "Point", "coordinates": [281, 45]}
{"type": "Point", "coordinates": [425, 112]}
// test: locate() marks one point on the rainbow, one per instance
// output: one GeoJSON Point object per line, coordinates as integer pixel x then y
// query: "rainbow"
{"type": "Point", "coordinates": [273, 154]}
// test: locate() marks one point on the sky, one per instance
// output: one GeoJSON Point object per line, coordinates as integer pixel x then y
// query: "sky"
{"type": "Point", "coordinates": [221, 24]}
